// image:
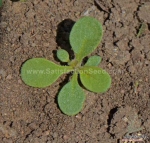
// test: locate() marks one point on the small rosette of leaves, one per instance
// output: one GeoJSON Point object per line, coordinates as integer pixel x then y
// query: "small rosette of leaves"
{"type": "Point", "coordinates": [85, 36]}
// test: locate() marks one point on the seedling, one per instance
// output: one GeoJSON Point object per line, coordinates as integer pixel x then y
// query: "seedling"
{"type": "Point", "coordinates": [85, 36]}
{"type": "Point", "coordinates": [141, 30]}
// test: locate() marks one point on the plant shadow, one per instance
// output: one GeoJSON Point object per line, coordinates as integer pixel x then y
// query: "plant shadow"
{"type": "Point", "coordinates": [62, 37]}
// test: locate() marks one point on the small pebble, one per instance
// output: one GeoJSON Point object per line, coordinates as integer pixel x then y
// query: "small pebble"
{"type": "Point", "coordinates": [146, 62]}
{"type": "Point", "coordinates": [78, 116]}
{"type": "Point", "coordinates": [146, 79]}
{"type": "Point", "coordinates": [76, 3]}
{"type": "Point", "coordinates": [109, 65]}
{"type": "Point", "coordinates": [122, 91]}
{"type": "Point", "coordinates": [46, 44]}
{"type": "Point", "coordinates": [55, 135]}
{"type": "Point", "coordinates": [139, 89]}
{"type": "Point", "coordinates": [46, 133]}
{"type": "Point", "coordinates": [36, 2]}
{"type": "Point", "coordinates": [131, 69]}
{"type": "Point", "coordinates": [19, 81]}
{"type": "Point", "coordinates": [125, 119]}
{"type": "Point", "coordinates": [9, 77]}
{"type": "Point", "coordinates": [7, 140]}
{"type": "Point", "coordinates": [33, 44]}
{"type": "Point", "coordinates": [2, 72]}
{"type": "Point", "coordinates": [65, 137]}
{"type": "Point", "coordinates": [3, 24]}
{"type": "Point", "coordinates": [8, 29]}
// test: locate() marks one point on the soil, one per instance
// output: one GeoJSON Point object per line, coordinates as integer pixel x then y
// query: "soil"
{"type": "Point", "coordinates": [37, 28]}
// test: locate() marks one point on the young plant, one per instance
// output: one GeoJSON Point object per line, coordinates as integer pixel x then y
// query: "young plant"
{"type": "Point", "coordinates": [85, 36]}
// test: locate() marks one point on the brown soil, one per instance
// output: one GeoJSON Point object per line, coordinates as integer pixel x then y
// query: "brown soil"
{"type": "Point", "coordinates": [37, 28]}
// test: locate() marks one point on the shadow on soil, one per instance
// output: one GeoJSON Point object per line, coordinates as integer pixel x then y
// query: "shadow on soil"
{"type": "Point", "coordinates": [63, 33]}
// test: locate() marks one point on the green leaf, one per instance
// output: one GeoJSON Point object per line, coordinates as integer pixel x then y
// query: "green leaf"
{"type": "Point", "coordinates": [1, 3]}
{"type": "Point", "coordinates": [95, 79]}
{"type": "Point", "coordinates": [71, 97]}
{"type": "Point", "coordinates": [39, 72]}
{"type": "Point", "coordinates": [85, 36]}
{"type": "Point", "coordinates": [93, 61]}
{"type": "Point", "coordinates": [63, 55]}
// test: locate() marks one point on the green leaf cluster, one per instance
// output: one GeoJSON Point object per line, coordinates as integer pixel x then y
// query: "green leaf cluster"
{"type": "Point", "coordinates": [85, 36]}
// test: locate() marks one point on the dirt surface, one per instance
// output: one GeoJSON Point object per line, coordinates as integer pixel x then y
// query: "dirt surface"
{"type": "Point", "coordinates": [37, 28]}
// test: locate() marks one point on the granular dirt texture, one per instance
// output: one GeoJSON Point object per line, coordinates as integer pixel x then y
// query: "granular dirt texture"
{"type": "Point", "coordinates": [37, 28]}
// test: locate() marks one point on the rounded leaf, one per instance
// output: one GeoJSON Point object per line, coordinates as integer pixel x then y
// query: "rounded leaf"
{"type": "Point", "coordinates": [39, 72]}
{"type": "Point", "coordinates": [71, 97]}
{"type": "Point", "coordinates": [93, 61]}
{"type": "Point", "coordinates": [85, 36]}
{"type": "Point", "coordinates": [95, 79]}
{"type": "Point", "coordinates": [63, 55]}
